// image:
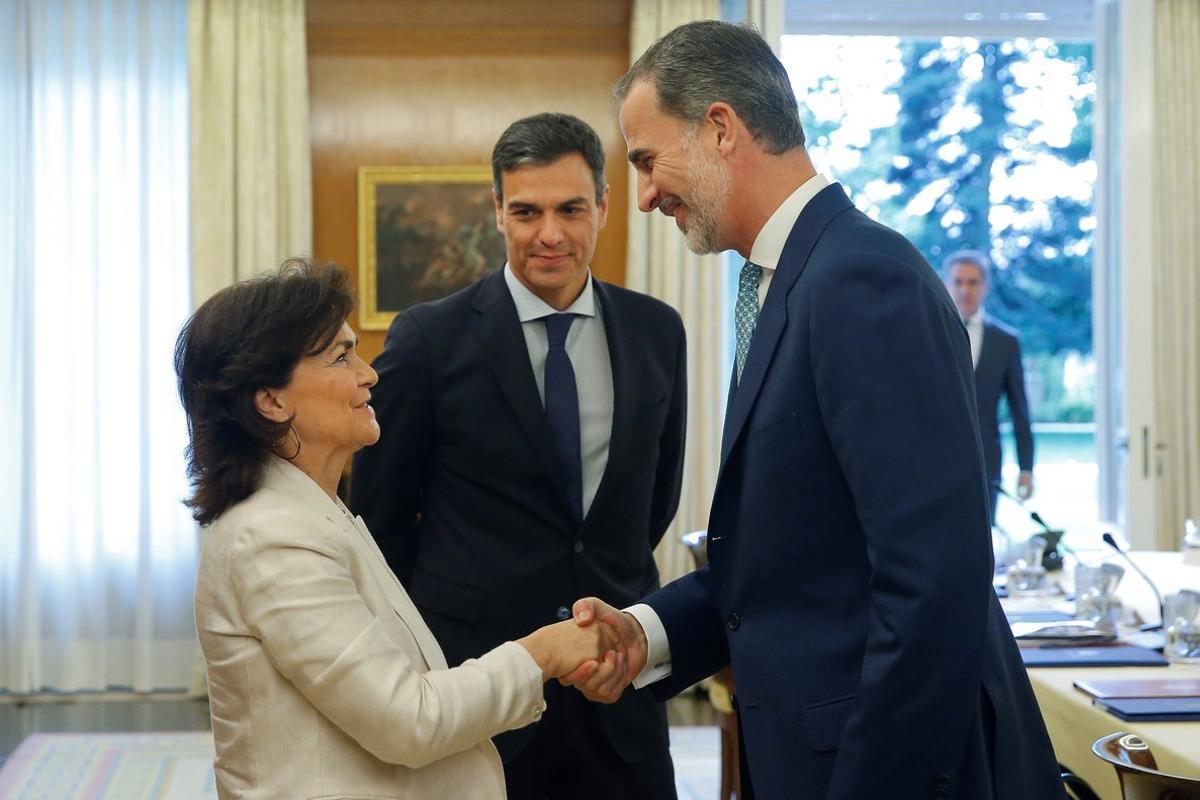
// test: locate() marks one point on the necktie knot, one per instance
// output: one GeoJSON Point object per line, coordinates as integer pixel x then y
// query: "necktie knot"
{"type": "Point", "coordinates": [557, 326]}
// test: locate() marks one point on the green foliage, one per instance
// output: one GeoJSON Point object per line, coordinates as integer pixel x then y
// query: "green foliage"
{"type": "Point", "coordinates": [964, 131]}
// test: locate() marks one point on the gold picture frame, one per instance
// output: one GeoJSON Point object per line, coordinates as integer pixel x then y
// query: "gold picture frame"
{"type": "Point", "coordinates": [423, 232]}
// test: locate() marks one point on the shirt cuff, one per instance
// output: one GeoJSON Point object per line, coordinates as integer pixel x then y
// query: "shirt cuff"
{"type": "Point", "coordinates": [658, 648]}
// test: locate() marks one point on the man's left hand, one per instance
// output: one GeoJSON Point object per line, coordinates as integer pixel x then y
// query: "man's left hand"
{"type": "Point", "coordinates": [1025, 485]}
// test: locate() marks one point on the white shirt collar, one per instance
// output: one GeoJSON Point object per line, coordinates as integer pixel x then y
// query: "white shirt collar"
{"type": "Point", "coordinates": [974, 319]}
{"type": "Point", "coordinates": [768, 245]}
{"type": "Point", "coordinates": [531, 307]}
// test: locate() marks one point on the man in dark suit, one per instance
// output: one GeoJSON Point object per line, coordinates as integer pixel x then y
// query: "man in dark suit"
{"type": "Point", "coordinates": [532, 450]}
{"type": "Point", "coordinates": [996, 353]}
{"type": "Point", "coordinates": [850, 568]}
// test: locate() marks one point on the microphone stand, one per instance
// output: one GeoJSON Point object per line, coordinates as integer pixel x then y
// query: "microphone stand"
{"type": "Point", "coordinates": [1111, 542]}
{"type": "Point", "coordinates": [1053, 558]}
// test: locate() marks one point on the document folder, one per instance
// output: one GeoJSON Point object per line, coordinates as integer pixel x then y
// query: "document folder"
{"type": "Point", "coordinates": [1121, 655]}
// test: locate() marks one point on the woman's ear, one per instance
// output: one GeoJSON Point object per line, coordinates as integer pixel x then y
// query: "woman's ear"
{"type": "Point", "coordinates": [271, 405]}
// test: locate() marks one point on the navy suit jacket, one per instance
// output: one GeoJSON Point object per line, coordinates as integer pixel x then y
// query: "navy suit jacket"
{"type": "Point", "coordinates": [465, 498]}
{"type": "Point", "coordinates": [850, 566]}
{"type": "Point", "coordinates": [999, 371]}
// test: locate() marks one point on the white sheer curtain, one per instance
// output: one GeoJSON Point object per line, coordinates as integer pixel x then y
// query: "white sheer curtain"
{"type": "Point", "coordinates": [97, 555]}
{"type": "Point", "coordinates": [660, 264]}
{"type": "Point", "coordinates": [1176, 263]}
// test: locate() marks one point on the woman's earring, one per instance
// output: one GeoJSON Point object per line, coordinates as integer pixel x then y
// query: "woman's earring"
{"type": "Point", "coordinates": [291, 434]}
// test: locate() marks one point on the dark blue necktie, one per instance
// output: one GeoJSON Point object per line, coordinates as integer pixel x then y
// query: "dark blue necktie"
{"type": "Point", "coordinates": [562, 408]}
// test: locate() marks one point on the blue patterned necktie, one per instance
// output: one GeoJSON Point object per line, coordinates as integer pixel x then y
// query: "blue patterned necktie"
{"type": "Point", "coordinates": [745, 312]}
{"type": "Point", "coordinates": [562, 408]}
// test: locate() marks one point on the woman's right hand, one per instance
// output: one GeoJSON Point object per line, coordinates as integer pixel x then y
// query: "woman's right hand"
{"type": "Point", "coordinates": [564, 647]}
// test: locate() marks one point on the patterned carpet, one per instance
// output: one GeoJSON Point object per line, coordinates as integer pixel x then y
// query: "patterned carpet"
{"type": "Point", "coordinates": [178, 766]}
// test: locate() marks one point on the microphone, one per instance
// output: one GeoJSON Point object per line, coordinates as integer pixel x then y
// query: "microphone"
{"type": "Point", "coordinates": [1036, 517]}
{"type": "Point", "coordinates": [1111, 542]}
{"type": "Point", "coordinates": [1033, 515]}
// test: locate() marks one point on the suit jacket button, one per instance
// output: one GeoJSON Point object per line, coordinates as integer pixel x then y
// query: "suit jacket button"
{"type": "Point", "coordinates": [733, 620]}
{"type": "Point", "coordinates": [579, 545]}
{"type": "Point", "coordinates": [563, 612]}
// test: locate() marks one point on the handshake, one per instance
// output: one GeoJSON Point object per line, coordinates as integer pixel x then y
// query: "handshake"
{"type": "Point", "coordinates": [600, 651]}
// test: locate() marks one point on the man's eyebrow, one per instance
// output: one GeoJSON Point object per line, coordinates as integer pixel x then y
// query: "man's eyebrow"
{"type": "Point", "coordinates": [637, 155]}
{"type": "Point", "coordinates": [574, 201]}
{"type": "Point", "coordinates": [521, 205]}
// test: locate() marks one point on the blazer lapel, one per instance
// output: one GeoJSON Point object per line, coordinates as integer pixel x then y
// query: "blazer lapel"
{"type": "Point", "coordinates": [292, 482]}
{"type": "Point", "coordinates": [987, 348]}
{"type": "Point", "coordinates": [402, 604]}
{"type": "Point", "coordinates": [813, 220]}
{"type": "Point", "coordinates": [621, 355]}
{"type": "Point", "coordinates": [497, 329]}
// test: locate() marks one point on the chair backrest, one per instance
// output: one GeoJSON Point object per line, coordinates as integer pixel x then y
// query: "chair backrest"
{"type": "Point", "coordinates": [1138, 771]}
{"type": "Point", "coordinates": [697, 544]}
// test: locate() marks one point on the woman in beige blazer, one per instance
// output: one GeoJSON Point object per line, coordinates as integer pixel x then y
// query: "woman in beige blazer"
{"type": "Point", "coordinates": [324, 682]}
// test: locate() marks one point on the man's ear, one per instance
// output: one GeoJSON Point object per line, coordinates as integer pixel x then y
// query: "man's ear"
{"type": "Point", "coordinates": [271, 405]}
{"type": "Point", "coordinates": [602, 206]}
{"type": "Point", "coordinates": [726, 125]}
{"type": "Point", "coordinates": [499, 206]}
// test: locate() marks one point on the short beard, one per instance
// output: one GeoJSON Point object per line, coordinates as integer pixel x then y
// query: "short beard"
{"type": "Point", "coordinates": [708, 191]}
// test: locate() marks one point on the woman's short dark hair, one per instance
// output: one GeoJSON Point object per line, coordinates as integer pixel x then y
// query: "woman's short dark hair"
{"type": "Point", "coordinates": [247, 337]}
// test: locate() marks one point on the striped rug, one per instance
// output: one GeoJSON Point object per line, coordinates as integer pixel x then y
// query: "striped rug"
{"type": "Point", "coordinates": [178, 766]}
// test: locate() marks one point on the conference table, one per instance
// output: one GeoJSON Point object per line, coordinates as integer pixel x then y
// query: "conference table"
{"type": "Point", "coordinates": [1075, 723]}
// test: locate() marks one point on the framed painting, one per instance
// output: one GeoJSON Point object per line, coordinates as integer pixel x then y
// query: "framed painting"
{"type": "Point", "coordinates": [423, 232]}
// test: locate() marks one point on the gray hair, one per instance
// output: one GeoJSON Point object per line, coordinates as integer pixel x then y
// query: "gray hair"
{"type": "Point", "coordinates": [706, 62]}
{"type": "Point", "coordinates": [975, 258]}
{"type": "Point", "coordinates": [543, 139]}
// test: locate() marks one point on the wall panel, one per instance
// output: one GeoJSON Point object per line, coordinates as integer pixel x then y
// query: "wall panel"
{"type": "Point", "coordinates": [414, 82]}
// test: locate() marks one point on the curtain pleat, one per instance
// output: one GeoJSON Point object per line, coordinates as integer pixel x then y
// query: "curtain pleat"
{"type": "Point", "coordinates": [1175, 264]}
{"type": "Point", "coordinates": [660, 264]}
{"type": "Point", "coordinates": [251, 161]}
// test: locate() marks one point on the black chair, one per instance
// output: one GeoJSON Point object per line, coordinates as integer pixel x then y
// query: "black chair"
{"type": "Point", "coordinates": [1077, 787]}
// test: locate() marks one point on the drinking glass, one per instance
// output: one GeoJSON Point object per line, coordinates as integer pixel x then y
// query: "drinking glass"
{"type": "Point", "coordinates": [1181, 620]}
{"type": "Point", "coordinates": [1027, 576]}
{"type": "Point", "coordinates": [1095, 593]}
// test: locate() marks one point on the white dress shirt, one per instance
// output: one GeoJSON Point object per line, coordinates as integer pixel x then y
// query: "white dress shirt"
{"type": "Point", "coordinates": [587, 347]}
{"type": "Point", "coordinates": [974, 325]}
{"type": "Point", "coordinates": [766, 252]}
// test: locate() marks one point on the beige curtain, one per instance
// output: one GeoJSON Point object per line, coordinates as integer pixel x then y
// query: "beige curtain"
{"type": "Point", "coordinates": [251, 176]}
{"type": "Point", "coordinates": [660, 264]}
{"type": "Point", "coordinates": [251, 179]}
{"type": "Point", "coordinates": [1175, 268]}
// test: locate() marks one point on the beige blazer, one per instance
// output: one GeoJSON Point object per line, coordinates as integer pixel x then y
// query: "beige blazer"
{"type": "Point", "coordinates": [323, 680]}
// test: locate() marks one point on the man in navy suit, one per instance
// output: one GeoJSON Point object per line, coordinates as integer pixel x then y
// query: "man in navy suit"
{"type": "Point", "coordinates": [532, 452]}
{"type": "Point", "coordinates": [850, 568]}
{"type": "Point", "coordinates": [996, 353]}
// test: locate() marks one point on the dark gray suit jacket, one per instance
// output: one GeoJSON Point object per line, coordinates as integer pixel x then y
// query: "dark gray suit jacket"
{"type": "Point", "coordinates": [466, 500]}
{"type": "Point", "coordinates": [999, 371]}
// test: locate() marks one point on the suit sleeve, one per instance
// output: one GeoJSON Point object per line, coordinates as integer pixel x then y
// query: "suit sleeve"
{"type": "Point", "coordinates": [299, 599]}
{"type": "Point", "coordinates": [893, 380]}
{"type": "Point", "coordinates": [387, 480]}
{"type": "Point", "coordinates": [1018, 407]}
{"type": "Point", "coordinates": [669, 476]}
{"type": "Point", "coordinates": [688, 609]}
